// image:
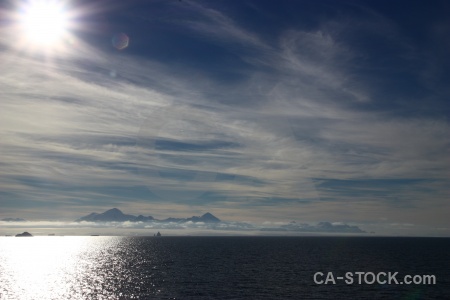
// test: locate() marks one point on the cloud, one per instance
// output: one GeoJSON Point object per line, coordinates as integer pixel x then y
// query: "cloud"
{"type": "Point", "coordinates": [223, 29]}
{"type": "Point", "coordinates": [304, 128]}
{"type": "Point", "coordinates": [185, 226]}
{"type": "Point", "coordinates": [223, 226]}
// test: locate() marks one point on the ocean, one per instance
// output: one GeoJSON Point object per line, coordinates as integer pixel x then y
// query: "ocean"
{"type": "Point", "coordinates": [222, 267]}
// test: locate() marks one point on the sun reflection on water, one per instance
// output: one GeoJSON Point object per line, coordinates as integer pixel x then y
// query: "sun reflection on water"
{"type": "Point", "coordinates": [55, 267]}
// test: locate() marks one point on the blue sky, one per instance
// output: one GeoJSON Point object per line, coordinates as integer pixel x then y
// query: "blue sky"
{"type": "Point", "coordinates": [258, 111]}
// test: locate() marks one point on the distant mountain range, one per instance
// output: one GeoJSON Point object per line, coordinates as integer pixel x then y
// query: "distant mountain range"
{"type": "Point", "coordinates": [13, 220]}
{"type": "Point", "coordinates": [320, 227]}
{"type": "Point", "coordinates": [116, 215]}
{"type": "Point", "coordinates": [208, 221]}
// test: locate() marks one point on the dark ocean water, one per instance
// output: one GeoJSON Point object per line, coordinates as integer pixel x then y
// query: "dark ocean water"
{"type": "Point", "coordinates": [217, 267]}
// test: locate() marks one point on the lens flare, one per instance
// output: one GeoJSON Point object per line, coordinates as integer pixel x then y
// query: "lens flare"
{"type": "Point", "coordinates": [120, 41]}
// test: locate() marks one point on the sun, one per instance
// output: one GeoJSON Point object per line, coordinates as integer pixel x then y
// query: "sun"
{"type": "Point", "coordinates": [44, 22]}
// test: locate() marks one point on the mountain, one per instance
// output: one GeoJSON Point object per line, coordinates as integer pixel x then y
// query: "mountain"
{"type": "Point", "coordinates": [206, 218]}
{"type": "Point", "coordinates": [320, 227]}
{"type": "Point", "coordinates": [24, 234]}
{"type": "Point", "coordinates": [115, 215]}
{"type": "Point", "coordinates": [13, 220]}
{"type": "Point", "coordinates": [173, 220]}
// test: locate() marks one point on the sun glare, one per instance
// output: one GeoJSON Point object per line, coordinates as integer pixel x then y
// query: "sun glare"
{"type": "Point", "coordinates": [44, 22]}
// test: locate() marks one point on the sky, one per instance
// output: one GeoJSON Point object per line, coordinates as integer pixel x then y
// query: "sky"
{"type": "Point", "coordinates": [256, 111]}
